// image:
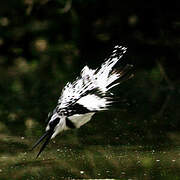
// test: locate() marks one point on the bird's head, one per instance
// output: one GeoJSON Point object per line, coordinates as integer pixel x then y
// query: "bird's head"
{"type": "Point", "coordinates": [54, 127]}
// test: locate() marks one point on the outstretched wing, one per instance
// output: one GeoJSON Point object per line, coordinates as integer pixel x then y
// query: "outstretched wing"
{"type": "Point", "coordinates": [90, 91]}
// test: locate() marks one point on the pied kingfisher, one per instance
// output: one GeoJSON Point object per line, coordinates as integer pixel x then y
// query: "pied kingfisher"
{"type": "Point", "coordinates": [89, 93]}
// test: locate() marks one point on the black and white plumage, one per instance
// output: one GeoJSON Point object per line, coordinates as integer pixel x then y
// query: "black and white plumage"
{"type": "Point", "coordinates": [89, 93]}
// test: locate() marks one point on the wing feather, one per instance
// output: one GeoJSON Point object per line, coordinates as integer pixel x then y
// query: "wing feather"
{"type": "Point", "coordinates": [91, 89]}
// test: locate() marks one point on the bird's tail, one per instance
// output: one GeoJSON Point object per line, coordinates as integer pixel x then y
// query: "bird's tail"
{"type": "Point", "coordinates": [107, 77]}
{"type": "Point", "coordinates": [122, 75]}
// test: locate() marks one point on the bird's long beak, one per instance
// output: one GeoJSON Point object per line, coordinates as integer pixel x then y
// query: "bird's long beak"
{"type": "Point", "coordinates": [47, 135]}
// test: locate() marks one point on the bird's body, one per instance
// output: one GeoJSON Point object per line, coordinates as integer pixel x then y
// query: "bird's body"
{"type": "Point", "coordinates": [89, 93]}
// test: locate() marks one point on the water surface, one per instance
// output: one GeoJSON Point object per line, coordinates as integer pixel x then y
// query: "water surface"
{"type": "Point", "coordinates": [62, 159]}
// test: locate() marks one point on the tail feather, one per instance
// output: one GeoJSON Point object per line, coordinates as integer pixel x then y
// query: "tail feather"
{"type": "Point", "coordinates": [106, 76]}
{"type": "Point", "coordinates": [123, 75]}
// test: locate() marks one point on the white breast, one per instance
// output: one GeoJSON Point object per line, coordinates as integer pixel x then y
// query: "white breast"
{"type": "Point", "coordinates": [81, 119]}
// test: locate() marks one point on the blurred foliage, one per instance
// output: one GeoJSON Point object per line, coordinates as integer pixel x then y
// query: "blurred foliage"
{"type": "Point", "coordinates": [45, 43]}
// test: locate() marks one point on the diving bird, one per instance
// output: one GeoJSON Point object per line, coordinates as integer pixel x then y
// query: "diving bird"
{"type": "Point", "coordinates": [88, 94]}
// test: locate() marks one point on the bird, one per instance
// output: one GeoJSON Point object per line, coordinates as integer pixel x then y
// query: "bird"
{"type": "Point", "coordinates": [88, 94]}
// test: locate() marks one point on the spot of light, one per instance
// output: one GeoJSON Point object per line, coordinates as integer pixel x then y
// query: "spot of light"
{"type": "Point", "coordinates": [41, 45]}
{"type": "Point", "coordinates": [132, 20]}
{"type": "Point", "coordinates": [4, 21]}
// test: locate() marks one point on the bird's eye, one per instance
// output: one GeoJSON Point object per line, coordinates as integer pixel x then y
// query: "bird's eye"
{"type": "Point", "coordinates": [53, 123]}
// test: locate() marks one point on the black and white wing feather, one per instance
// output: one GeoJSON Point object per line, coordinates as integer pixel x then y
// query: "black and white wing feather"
{"type": "Point", "coordinates": [90, 91]}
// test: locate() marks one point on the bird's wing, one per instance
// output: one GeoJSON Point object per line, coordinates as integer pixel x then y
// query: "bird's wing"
{"type": "Point", "coordinates": [90, 91]}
